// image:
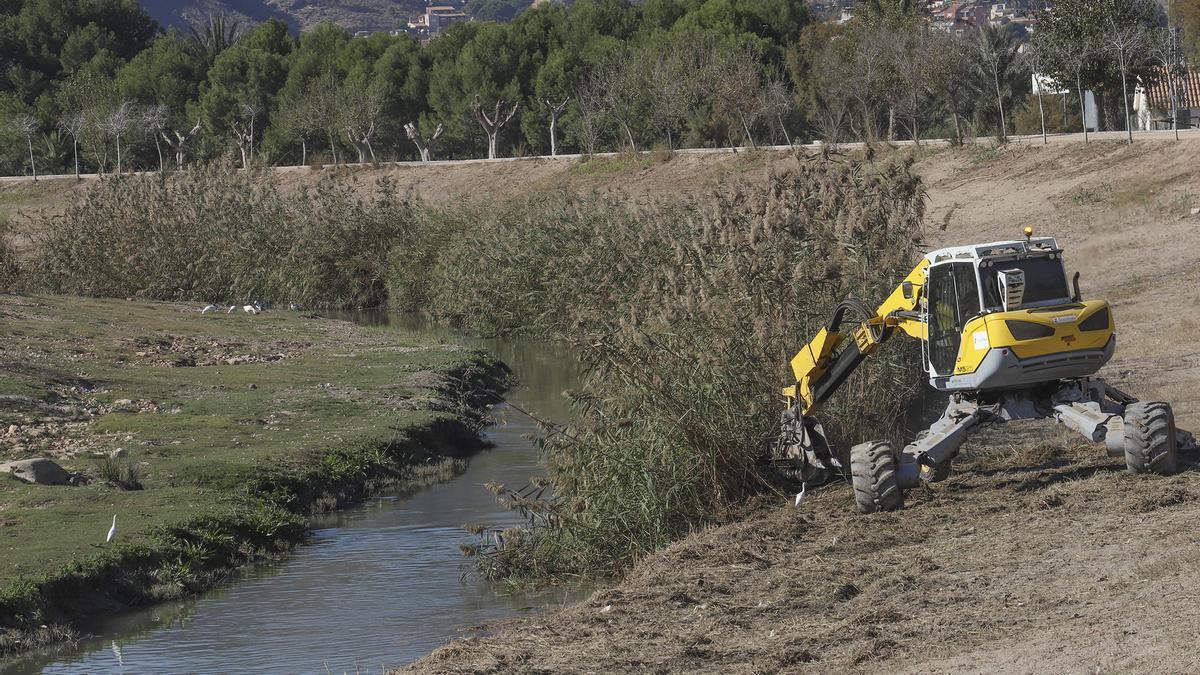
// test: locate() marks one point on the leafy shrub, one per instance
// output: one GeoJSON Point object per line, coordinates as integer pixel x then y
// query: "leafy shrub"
{"type": "Point", "coordinates": [686, 313]}
{"type": "Point", "coordinates": [218, 235]}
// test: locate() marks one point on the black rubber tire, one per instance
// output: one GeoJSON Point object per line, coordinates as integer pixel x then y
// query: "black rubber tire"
{"type": "Point", "coordinates": [873, 474]}
{"type": "Point", "coordinates": [1150, 442]}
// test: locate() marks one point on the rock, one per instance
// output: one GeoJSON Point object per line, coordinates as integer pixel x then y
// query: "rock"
{"type": "Point", "coordinates": [1196, 211]}
{"type": "Point", "coordinates": [118, 453]}
{"type": "Point", "coordinates": [39, 470]}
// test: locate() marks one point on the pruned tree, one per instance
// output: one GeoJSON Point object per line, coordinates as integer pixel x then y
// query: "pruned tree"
{"type": "Point", "coordinates": [1034, 54]}
{"type": "Point", "coordinates": [26, 126]}
{"type": "Point", "coordinates": [73, 123]}
{"type": "Point", "coordinates": [589, 99]}
{"type": "Point", "coordinates": [776, 99]}
{"type": "Point", "coordinates": [556, 111]}
{"type": "Point", "coordinates": [242, 126]}
{"type": "Point", "coordinates": [179, 143]}
{"type": "Point", "coordinates": [153, 121]}
{"type": "Point", "coordinates": [424, 145]}
{"type": "Point", "coordinates": [493, 122]}
{"type": "Point", "coordinates": [1128, 40]}
{"type": "Point", "coordinates": [1166, 49]}
{"type": "Point", "coordinates": [736, 84]}
{"type": "Point", "coordinates": [361, 109]}
{"type": "Point", "coordinates": [950, 73]}
{"type": "Point", "coordinates": [620, 85]}
{"type": "Point", "coordinates": [116, 123]}
{"type": "Point", "coordinates": [674, 74]}
{"type": "Point", "coordinates": [997, 59]}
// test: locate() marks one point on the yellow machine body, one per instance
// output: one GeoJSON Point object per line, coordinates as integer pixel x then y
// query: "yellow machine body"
{"type": "Point", "coordinates": [976, 345]}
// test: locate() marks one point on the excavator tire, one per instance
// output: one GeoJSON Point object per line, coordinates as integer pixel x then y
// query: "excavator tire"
{"type": "Point", "coordinates": [1150, 439]}
{"type": "Point", "coordinates": [873, 473]}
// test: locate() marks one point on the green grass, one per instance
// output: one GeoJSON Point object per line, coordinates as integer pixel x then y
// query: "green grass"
{"type": "Point", "coordinates": [209, 444]}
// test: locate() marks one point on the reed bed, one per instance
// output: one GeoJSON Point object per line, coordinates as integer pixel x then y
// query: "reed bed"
{"type": "Point", "coordinates": [223, 236]}
{"type": "Point", "coordinates": [686, 313]}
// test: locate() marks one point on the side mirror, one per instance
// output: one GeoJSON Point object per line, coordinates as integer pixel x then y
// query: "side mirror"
{"type": "Point", "coordinates": [907, 289]}
{"type": "Point", "coordinates": [1012, 285]}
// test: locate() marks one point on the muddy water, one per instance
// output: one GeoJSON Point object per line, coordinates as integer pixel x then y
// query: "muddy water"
{"type": "Point", "coordinates": [379, 585]}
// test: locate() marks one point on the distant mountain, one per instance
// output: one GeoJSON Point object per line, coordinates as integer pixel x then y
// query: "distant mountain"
{"type": "Point", "coordinates": [353, 15]}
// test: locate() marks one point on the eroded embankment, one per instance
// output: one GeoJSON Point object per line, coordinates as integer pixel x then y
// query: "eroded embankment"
{"type": "Point", "coordinates": [211, 437]}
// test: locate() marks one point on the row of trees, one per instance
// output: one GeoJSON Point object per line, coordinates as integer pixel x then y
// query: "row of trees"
{"type": "Point", "coordinates": [891, 74]}
{"type": "Point", "coordinates": [262, 95]}
{"type": "Point", "coordinates": [105, 91]}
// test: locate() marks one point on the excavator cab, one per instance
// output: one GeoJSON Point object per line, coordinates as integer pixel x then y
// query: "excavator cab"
{"type": "Point", "coordinates": [1004, 334]}
{"type": "Point", "coordinates": [1001, 316]}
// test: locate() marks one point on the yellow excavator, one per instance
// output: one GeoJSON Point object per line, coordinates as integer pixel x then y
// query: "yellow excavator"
{"type": "Point", "coordinates": [1003, 334]}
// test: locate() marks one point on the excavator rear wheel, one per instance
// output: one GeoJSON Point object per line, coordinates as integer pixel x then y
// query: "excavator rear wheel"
{"type": "Point", "coordinates": [1150, 439]}
{"type": "Point", "coordinates": [873, 473]}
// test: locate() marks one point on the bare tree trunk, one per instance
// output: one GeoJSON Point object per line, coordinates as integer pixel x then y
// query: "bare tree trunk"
{"type": "Point", "coordinates": [75, 145]}
{"type": "Point", "coordinates": [1174, 104]}
{"type": "Point", "coordinates": [371, 151]}
{"type": "Point", "coordinates": [32, 164]}
{"type": "Point", "coordinates": [303, 152]}
{"type": "Point", "coordinates": [891, 132]}
{"type": "Point", "coordinates": [1125, 100]}
{"type": "Point", "coordinates": [1000, 103]}
{"type": "Point", "coordinates": [158, 147]}
{"type": "Point", "coordinates": [333, 149]}
{"type": "Point", "coordinates": [1042, 112]}
{"type": "Point", "coordinates": [958, 139]}
{"type": "Point", "coordinates": [118, 154]}
{"type": "Point", "coordinates": [782, 128]}
{"type": "Point", "coordinates": [553, 134]}
{"type": "Point", "coordinates": [749, 136]}
{"type": "Point", "coordinates": [1082, 104]}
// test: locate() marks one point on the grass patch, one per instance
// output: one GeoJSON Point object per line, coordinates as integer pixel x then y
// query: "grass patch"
{"type": "Point", "coordinates": [227, 471]}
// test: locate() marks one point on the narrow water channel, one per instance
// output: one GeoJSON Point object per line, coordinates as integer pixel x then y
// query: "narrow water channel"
{"type": "Point", "coordinates": [378, 585]}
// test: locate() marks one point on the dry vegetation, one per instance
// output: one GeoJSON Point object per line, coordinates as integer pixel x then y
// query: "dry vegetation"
{"type": "Point", "coordinates": [1040, 554]}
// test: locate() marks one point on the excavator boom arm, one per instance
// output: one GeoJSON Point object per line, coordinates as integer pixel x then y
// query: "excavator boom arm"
{"type": "Point", "coordinates": [819, 373]}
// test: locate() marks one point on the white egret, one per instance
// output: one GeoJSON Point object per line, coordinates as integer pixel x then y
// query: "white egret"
{"type": "Point", "coordinates": [800, 495]}
{"type": "Point", "coordinates": [209, 308]}
{"type": "Point", "coordinates": [112, 531]}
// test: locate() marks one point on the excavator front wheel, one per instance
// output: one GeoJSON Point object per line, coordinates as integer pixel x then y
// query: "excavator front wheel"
{"type": "Point", "coordinates": [873, 473]}
{"type": "Point", "coordinates": [1150, 439]}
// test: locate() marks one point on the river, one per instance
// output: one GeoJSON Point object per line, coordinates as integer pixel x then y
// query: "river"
{"type": "Point", "coordinates": [377, 585]}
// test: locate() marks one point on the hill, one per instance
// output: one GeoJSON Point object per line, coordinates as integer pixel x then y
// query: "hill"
{"type": "Point", "coordinates": [353, 15]}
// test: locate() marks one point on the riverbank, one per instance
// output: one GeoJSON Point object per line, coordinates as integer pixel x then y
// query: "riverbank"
{"type": "Point", "coordinates": [209, 436]}
{"type": "Point", "coordinates": [1038, 554]}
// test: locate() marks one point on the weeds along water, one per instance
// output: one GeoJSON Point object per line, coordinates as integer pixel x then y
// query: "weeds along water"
{"type": "Point", "coordinates": [685, 312]}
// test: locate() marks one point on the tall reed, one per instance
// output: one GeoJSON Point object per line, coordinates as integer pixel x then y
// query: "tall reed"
{"type": "Point", "coordinates": [218, 235]}
{"type": "Point", "coordinates": [686, 313]}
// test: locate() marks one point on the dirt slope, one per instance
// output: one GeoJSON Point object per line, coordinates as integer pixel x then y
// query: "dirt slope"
{"type": "Point", "coordinates": [1039, 555]}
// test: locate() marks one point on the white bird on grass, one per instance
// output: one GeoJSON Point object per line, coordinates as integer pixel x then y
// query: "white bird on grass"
{"type": "Point", "coordinates": [252, 309]}
{"type": "Point", "coordinates": [231, 308]}
{"type": "Point", "coordinates": [209, 308]}
{"type": "Point", "coordinates": [112, 531]}
{"type": "Point", "coordinates": [800, 495]}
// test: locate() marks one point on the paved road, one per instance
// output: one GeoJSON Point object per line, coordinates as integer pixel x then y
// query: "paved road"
{"type": "Point", "coordinates": [1184, 134]}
